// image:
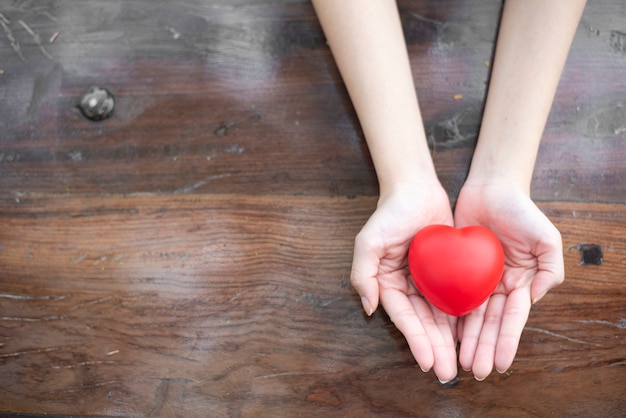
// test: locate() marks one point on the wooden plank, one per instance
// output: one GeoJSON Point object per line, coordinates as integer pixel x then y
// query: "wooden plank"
{"type": "Point", "coordinates": [235, 305]}
{"type": "Point", "coordinates": [246, 99]}
{"type": "Point", "coordinates": [162, 263]}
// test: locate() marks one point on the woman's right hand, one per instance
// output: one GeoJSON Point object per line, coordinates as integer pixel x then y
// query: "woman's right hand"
{"type": "Point", "coordinates": [380, 273]}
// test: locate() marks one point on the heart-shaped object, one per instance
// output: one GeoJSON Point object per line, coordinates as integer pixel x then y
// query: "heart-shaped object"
{"type": "Point", "coordinates": [456, 269]}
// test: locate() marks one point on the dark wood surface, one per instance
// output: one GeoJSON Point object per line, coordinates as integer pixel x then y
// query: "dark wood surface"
{"type": "Point", "coordinates": [190, 255]}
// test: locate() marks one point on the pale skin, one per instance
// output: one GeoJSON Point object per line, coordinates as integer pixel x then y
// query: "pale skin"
{"type": "Point", "coordinates": [533, 42]}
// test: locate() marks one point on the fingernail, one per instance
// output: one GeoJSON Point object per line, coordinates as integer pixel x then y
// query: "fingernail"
{"type": "Point", "coordinates": [449, 383]}
{"type": "Point", "coordinates": [366, 306]}
{"type": "Point", "coordinates": [500, 371]}
{"type": "Point", "coordinates": [480, 379]}
{"type": "Point", "coordinates": [467, 370]}
{"type": "Point", "coordinates": [538, 298]}
{"type": "Point", "coordinates": [424, 370]}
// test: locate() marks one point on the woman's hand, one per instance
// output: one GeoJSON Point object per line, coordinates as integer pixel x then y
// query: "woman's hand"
{"type": "Point", "coordinates": [380, 273]}
{"type": "Point", "coordinates": [533, 265]}
{"type": "Point", "coordinates": [533, 42]}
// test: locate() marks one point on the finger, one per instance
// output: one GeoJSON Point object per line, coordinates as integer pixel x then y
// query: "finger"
{"type": "Point", "coordinates": [447, 324]}
{"type": "Point", "coordinates": [402, 312]}
{"type": "Point", "coordinates": [486, 349]}
{"type": "Point", "coordinates": [363, 276]}
{"type": "Point", "coordinates": [514, 319]}
{"type": "Point", "coordinates": [469, 335]}
{"type": "Point", "coordinates": [442, 337]}
{"type": "Point", "coordinates": [547, 279]}
{"type": "Point", "coordinates": [441, 330]}
{"type": "Point", "coordinates": [454, 329]}
{"type": "Point", "coordinates": [459, 328]}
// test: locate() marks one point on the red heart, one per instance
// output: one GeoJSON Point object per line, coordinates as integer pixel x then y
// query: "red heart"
{"type": "Point", "coordinates": [456, 269]}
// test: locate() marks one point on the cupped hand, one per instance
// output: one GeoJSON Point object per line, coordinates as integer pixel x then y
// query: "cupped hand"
{"type": "Point", "coordinates": [380, 273]}
{"type": "Point", "coordinates": [533, 253]}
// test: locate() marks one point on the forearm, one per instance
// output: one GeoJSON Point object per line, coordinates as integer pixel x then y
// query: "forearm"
{"type": "Point", "coordinates": [532, 47]}
{"type": "Point", "coordinates": [368, 45]}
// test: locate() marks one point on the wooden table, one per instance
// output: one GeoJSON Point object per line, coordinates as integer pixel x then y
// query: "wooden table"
{"type": "Point", "coordinates": [190, 255]}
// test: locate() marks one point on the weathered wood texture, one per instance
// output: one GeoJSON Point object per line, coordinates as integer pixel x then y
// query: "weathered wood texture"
{"type": "Point", "coordinates": [245, 98]}
{"type": "Point", "coordinates": [190, 255]}
{"type": "Point", "coordinates": [238, 305]}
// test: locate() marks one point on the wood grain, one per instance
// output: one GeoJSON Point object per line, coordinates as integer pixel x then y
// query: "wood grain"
{"type": "Point", "coordinates": [237, 305]}
{"type": "Point", "coordinates": [247, 99]}
{"type": "Point", "coordinates": [190, 255]}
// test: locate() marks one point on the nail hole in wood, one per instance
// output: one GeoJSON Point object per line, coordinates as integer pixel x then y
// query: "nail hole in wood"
{"type": "Point", "coordinates": [590, 254]}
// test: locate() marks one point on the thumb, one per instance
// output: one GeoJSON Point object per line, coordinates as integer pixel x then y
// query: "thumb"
{"type": "Point", "coordinates": [364, 273]}
{"type": "Point", "coordinates": [545, 280]}
{"type": "Point", "coordinates": [542, 283]}
{"type": "Point", "coordinates": [551, 270]}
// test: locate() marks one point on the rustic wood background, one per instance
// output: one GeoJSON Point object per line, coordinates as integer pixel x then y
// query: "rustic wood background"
{"type": "Point", "coordinates": [190, 255]}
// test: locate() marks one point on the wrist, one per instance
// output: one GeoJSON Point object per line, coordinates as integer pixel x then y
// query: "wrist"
{"type": "Point", "coordinates": [416, 188]}
{"type": "Point", "coordinates": [481, 184]}
{"type": "Point", "coordinates": [503, 162]}
{"type": "Point", "coordinates": [407, 175]}
{"type": "Point", "coordinates": [492, 177]}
